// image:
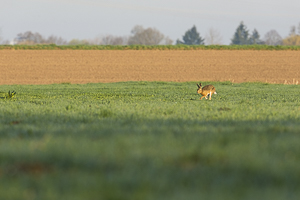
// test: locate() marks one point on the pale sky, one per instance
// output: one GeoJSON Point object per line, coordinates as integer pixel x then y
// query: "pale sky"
{"type": "Point", "coordinates": [87, 19]}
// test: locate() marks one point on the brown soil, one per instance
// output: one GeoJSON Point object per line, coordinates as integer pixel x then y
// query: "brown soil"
{"type": "Point", "coordinates": [91, 66]}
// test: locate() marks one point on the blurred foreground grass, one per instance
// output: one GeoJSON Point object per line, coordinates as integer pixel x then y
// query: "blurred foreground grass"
{"type": "Point", "coordinates": [150, 140]}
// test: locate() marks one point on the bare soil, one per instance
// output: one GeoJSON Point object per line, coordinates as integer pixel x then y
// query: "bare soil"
{"type": "Point", "coordinates": [92, 66]}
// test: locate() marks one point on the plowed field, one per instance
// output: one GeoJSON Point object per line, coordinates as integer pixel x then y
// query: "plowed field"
{"type": "Point", "coordinates": [91, 66]}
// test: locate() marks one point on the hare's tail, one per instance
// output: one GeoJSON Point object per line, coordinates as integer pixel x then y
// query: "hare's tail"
{"type": "Point", "coordinates": [215, 92]}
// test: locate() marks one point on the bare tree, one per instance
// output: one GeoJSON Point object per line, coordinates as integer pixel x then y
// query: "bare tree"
{"type": "Point", "coordinates": [79, 42]}
{"type": "Point", "coordinates": [109, 40]}
{"type": "Point", "coordinates": [272, 38]}
{"type": "Point", "coordinates": [293, 31]}
{"type": "Point", "coordinates": [1, 36]}
{"type": "Point", "coordinates": [96, 41]}
{"type": "Point", "coordinates": [113, 40]}
{"type": "Point", "coordinates": [56, 40]}
{"type": "Point", "coordinates": [213, 37]}
{"type": "Point", "coordinates": [167, 41]}
{"type": "Point", "coordinates": [30, 38]}
{"type": "Point", "coordinates": [7, 42]}
{"type": "Point", "coordinates": [36, 38]}
{"type": "Point", "coordinates": [293, 39]}
{"type": "Point", "coordinates": [149, 36]}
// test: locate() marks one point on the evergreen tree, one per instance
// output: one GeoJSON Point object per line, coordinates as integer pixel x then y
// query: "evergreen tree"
{"type": "Point", "coordinates": [191, 37]}
{"type": "Point", "coordinates": [241, 35]}
{"type": "Point", "coordinates": [254, 39]}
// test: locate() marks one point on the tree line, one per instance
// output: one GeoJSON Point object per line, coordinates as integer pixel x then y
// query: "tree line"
{"type": "Point", "coordinates": [151, 36]}
{"type": "Point", "coordinates": [272, 37]}
{"type": "Point", "coordinates": [242, 37]}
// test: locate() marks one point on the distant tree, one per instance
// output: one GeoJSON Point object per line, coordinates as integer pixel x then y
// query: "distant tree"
{"type": "Point", "coordinates": [191, 37]}
{"type": "Point", "coordinates": [167, 41]}
{"type": "Point", "coordinates": [56, 40]}
{"type": "Point", "coordinates": [255, 38]}
{"type": "Point", "coordinates": [293, 39]}
{"type": "Point", "coordinates": [7, 42]}
{"type": "Point", "coordinates": [149, 36]}
{"type": "Point", "coordinates": [29, 38]}
{"type": "Point", "coordinates": [113, 40]}
{"type": "Point", "coordinates": [78, 42]}
{"type": "Point", "coordinates": [293, 31]}
{"type": "Point", "coordinates": [241, 35]}
{"type": "Point", "coordinates": [272, 37]}
{"type": "Point", "coordinates": [36, 38]}
{"type": "Point", "coordinates": [109, 40]}
{"type": "Point", "coordinates": [1, 36]}
{"type": "Point", "coordinates": [213, 37]}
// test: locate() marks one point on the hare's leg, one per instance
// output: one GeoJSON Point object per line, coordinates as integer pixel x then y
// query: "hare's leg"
{"type": "Point", "coordinates": [210, 95]}
{"type": "Point", "coordinates": [201, 97]}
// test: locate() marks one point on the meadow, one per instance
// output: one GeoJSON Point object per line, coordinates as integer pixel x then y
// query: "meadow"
{"type": "Point", "coordinates": [149, 140]}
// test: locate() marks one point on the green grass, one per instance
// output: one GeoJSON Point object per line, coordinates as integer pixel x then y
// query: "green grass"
{"type": "Point", "coordinates": [148, 47]}
{"type": "Point", "coordinates": [150, 140]}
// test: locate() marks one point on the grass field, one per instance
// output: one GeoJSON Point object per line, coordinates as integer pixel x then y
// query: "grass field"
{"type": "Point", "coordinates": [150, 140]}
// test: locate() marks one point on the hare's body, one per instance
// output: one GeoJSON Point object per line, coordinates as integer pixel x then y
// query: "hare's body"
{"type": "Point", "coordinates": [206, 91]}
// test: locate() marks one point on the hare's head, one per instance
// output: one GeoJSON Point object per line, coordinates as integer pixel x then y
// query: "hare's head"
{"type": "Point", "coordinates": [199, 90]}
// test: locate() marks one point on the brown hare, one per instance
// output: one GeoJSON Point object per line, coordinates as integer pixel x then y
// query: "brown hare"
{"type": "Point", "coordinates": [206, 91]}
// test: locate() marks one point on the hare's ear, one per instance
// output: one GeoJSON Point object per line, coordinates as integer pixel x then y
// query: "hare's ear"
{"type": "Point", "coordinates": [198, 85]}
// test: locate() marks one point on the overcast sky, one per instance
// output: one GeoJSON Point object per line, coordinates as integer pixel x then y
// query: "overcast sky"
{"type": "Point", "coordinates": [87, 19]}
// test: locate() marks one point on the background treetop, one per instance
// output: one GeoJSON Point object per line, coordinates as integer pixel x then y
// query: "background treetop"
{"type": "Point", "coordinates": [191, 37]}
{"type": "Point", "coordinates": [148, 36]}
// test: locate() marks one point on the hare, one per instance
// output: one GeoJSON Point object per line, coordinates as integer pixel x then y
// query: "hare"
{"type": "Point", "coordinates": [206, 91]}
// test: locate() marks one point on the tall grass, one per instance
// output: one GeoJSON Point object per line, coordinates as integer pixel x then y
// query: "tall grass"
{"type": "Point", "coordinates": [150, 140]}
{"type": "Point", "coordinates": [148, 47]}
